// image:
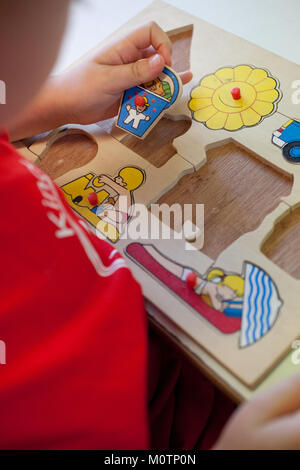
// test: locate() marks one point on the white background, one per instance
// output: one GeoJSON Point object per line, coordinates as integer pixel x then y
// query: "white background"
{"type": "Point", "coordinates": [272, 24]}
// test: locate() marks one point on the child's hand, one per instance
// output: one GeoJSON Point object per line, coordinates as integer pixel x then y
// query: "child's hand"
{"type": "Point", "coordinates": [91, 91]}
{"type": "Point", "coordinates": [269, 421]}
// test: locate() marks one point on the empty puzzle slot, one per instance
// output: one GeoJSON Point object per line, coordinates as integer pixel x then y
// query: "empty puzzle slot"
{"type": "Point", "coordinates": [282, 245]}
{"type": "Point", "coordinates": [157, 148]}
{"type": "Point", "coordinates": [71, 150]}
{"type": "Point", "coordinates": [237, 189]}
{"type": "Point", "coordinates": [181, 47]}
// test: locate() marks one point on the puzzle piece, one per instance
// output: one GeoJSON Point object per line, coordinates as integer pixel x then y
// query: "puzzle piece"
{"type": "Point", "coordinates": [25, 151]}
{"type": "Point", "coordinates": [143, 106]}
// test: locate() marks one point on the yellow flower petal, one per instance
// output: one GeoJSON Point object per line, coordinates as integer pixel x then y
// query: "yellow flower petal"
{"type": "Point", "coordinates": [257, 75]}
{"type": "Point", "coordinates": [234, 122]}
{"type": "Point", "coordinates": [269, 95]}
{"type": "Point", "coordinates": [266, 84]}
{"type": "Point", "coordinates": [217, 121]}
{"type": "Point", "coordinates": [201, 92]}
{"type": "Point", "coordinates": [225, 74]}
{"type": "Point", "coordinates": [204, 114]}
{"type": "Point", "coordinates": [196, 104]}
{"type": "Point", "coordinates": [242, 72]}
{"type": "Point", "coordinates": [224, 102]}
{"type": "Point", "coordinates": [250, 117]}
{"type": "Point", "coordinates": [211, 81]}
{"type": "Point", "coordinates": [263, 108]}
{"type": "Point", "coordinates": [212, 104]}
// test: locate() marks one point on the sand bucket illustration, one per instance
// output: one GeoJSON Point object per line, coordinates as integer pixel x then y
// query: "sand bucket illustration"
{"type": "Point", "coordinates": [142, 105]}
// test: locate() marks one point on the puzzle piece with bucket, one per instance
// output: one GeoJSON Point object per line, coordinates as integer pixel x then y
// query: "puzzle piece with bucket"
{"type": "Point", "coordinates": [143, 106]}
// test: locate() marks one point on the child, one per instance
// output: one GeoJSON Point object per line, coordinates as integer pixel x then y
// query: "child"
{"type": "Point", "coordinates": [71, 314]}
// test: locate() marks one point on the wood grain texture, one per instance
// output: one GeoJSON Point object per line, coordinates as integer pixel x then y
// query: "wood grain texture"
{"type": "Point", "coordinates": [283, 245]}
{"type": "Point", "coordinates": [238, 191]}
{"type": "Point", "coordinates": [67, 153]}
{"type": "Point", "coordinates": [181, 47]}
{"type": "Point", "coordinates": [157, 147]}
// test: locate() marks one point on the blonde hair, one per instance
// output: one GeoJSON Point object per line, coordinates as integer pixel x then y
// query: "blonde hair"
{"type": "Point", "coordinates": [132, 176]}
{"type": "Point", "coordinates": [235, 282]}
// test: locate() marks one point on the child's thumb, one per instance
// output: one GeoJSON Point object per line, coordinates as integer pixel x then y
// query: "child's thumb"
{"type": "Point", "coordinates": [135, 73]}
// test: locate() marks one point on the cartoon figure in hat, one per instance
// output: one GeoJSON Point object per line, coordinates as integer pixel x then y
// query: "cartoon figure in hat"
{"type": "Point", "coordinates": [137, 114]}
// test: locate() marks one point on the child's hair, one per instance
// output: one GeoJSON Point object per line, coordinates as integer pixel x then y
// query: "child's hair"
{"type": "Point", "coordinates": [235, 282]}
{"type": "Point", "coordinates": [132, 176]}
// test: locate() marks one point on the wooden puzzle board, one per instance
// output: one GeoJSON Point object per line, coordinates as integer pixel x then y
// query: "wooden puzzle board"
{"type": "Point", "coordinates": [215, 56]}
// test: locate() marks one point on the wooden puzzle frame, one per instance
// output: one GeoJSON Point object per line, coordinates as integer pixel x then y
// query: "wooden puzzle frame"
{"type": "Point", "coordinates": [239, 371]}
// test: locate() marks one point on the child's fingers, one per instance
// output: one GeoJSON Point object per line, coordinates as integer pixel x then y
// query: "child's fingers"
{"type": "Point", "coordinates": [121, 77]}
{"type": "Point", "coordinates": [281, 433]}
{"type": "Point", "coordinates": [148, 52]}
{"type": "Point", "coordinates": [149, 35]}
{"type": "Point", "coordinates": [280, 400]}
{"type": "Point", "coordinates": [271, 420]}
{"type": "Point", "coordinates": [186, 76]}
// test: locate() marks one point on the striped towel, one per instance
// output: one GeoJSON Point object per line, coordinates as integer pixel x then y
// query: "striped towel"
{"type": "Point", "coordinates": [261, 305]}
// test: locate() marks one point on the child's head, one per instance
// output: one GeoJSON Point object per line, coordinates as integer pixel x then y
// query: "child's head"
{"type": "Point", "coordinates": [229, 285]}
{"type": "Point", "coordinates": [131, 177]}
{"type": "Point", "coordinates": [141, 103]}
{"type": "Point", "coordinates": [30, 35]}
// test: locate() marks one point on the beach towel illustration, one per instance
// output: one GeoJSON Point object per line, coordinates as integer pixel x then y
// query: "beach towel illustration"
{"type": "Point", "coordinates": [142, 106]}
{"type": "Point", "coordinates": [260, 307]}
{"type": "Point", "coordinates": [229, 301]}
{"type": "Point", "coordinates": [104, 201]}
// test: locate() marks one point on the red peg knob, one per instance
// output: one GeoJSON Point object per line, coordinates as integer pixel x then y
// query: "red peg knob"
{"type": "Point", "coordinates": [139, 101]}
{"type": "Point", "coordinates": [93, 199]}
{"type": "Point", "coordinates": [236, 93]}
{"type": "Point", "coordinates": [191, 280]}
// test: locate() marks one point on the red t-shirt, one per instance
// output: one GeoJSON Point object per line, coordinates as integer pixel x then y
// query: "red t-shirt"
{"type": "Point", "coordinates": [73, 322]}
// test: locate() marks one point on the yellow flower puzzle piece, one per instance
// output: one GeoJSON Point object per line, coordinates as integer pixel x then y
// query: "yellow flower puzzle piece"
{"type": "Point", "coordinates": [213, 105]}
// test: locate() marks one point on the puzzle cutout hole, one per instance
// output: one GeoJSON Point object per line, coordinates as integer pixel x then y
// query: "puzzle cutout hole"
{"type": "Point", "coordinates": [237, 189]}
{"type": "Point", "coordinates": [181, 47]}
{"type": "Point", "coordinates": [70, 151]}
{"type": "Point", "coordinates": [282, 245]}
{"type": "Point", "coordinates": [157, 148]}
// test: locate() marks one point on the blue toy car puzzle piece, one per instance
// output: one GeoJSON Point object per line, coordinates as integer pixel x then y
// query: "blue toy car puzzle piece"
{"type": "Point", "coordinates": [287, 138]}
